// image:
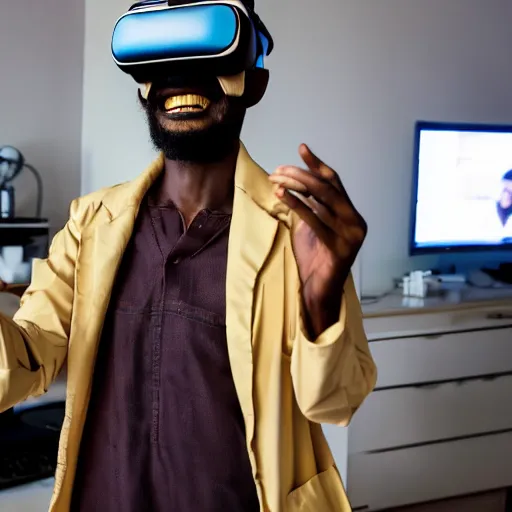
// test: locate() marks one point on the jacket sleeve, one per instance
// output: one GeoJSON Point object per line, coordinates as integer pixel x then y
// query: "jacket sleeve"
{"type": "Point", "coordinates": [33, 345]}
{"type": "Point", "coordinates": [333, 374]}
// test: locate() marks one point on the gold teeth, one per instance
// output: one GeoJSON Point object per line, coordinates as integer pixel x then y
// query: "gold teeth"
{"type": "Point", "coordinates": [187, 100]}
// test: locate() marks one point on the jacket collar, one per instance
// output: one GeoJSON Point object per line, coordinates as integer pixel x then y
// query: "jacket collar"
{"type": "Point", "coordinates": [250, 179]}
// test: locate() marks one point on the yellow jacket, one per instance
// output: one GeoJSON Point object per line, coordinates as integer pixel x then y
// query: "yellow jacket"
{"type": "Point", "coordinates": [287, 385]}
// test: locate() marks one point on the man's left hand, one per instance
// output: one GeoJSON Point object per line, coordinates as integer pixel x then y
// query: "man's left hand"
{"type": "Point", "coordinates": [327, 238]}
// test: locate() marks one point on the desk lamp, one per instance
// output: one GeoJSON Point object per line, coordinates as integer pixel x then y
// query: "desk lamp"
{"type": "Point", "coordinates": [11, 164]}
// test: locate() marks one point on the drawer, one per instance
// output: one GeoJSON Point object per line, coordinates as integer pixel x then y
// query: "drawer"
{"type": "Point", "coordinates": [406, 361]}
{"type": "Point", "coordinates": [407, 416]}
{"type": "Point", "coordinates": [464, 317]}
{"type": "Point", "coordinates": [494, 501]}
{"type": "Point", "coordinates": [415, 475]}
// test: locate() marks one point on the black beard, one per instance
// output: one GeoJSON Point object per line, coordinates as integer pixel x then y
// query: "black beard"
{"type": "Point", "coordinates": [210, 145]}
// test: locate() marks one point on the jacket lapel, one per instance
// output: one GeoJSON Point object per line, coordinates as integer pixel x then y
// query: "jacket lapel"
{"type": "Point", "coordinates": [252, 234]}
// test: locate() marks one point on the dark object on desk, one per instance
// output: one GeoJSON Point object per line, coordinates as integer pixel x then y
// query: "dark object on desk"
{"type": "Point", "coordinates": [29, 442]}
{"type": "Point", "coordinates": [22, 231]}
{"type": "Point", "coordinates": [15, 289]}
{"type": "Point", "coordinates": [12, 163]}
{"type": "Point", "coordinates": [503, 273]}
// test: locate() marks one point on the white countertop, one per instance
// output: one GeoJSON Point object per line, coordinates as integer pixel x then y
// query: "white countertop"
{"type": "Point", "coordinates": [463, 298]}
{"type": "Point", "coordinates": [34, 497]}
{"type": "Point", "coordinates": [9, 304]}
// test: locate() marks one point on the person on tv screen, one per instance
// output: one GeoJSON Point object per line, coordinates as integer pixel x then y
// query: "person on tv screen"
{"type": "Point", "coordinates": [504, 203]}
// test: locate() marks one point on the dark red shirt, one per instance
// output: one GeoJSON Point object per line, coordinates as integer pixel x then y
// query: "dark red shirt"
{"type": "Point", "coordinates": [164, 429]}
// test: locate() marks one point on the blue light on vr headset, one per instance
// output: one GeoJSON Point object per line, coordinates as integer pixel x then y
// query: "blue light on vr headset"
{"type": "Point", "coordinates": [174, 33]}
{"type": "Point", "coordinates": [260, 63]}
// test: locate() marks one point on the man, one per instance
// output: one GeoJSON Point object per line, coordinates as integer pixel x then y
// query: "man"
{"type": "Point", "coordinates": [205, 310]}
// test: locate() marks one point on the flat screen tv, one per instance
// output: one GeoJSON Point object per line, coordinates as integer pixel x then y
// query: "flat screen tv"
{"type": "Point", "coordinates": [462, 188]}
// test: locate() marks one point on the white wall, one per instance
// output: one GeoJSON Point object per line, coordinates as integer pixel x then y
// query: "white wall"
{"type": "Point", "coordinates": [41, 63]}
{"type": "Point", "coordinates": [349, 77]}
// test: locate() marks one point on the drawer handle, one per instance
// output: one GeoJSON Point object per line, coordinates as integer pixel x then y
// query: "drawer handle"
{"type": "Point", "coordinates": [499, 316]}
{"type": "Point", "coordinates": [458, 382]}
{"type": "Point", "coordinates": [428, 386]}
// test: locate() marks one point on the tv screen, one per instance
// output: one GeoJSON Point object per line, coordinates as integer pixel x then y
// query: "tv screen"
{"type": "Point", "coordinates": [462, 188]}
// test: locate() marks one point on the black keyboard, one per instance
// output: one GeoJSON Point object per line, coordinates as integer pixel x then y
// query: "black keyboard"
{"type": "Point", "coordinates": [28, 445]}
{"type": "Point", "coordinates": [23, 467]}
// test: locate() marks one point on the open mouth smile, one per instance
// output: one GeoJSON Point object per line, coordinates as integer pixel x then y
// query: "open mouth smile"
{"type": "Point", "coordinates": [186, 104]}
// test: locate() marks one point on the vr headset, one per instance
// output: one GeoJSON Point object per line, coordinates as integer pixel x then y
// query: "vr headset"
{"type": "Point", "coordinates": [157, 38]}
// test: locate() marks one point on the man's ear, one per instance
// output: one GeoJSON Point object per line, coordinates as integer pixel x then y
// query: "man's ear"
{"type": "Point", "coordinates": [256, 82]}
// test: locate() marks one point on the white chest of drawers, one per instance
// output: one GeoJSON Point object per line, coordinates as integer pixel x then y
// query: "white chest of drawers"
{"type": "Point", "coordinates": [439, 423]}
